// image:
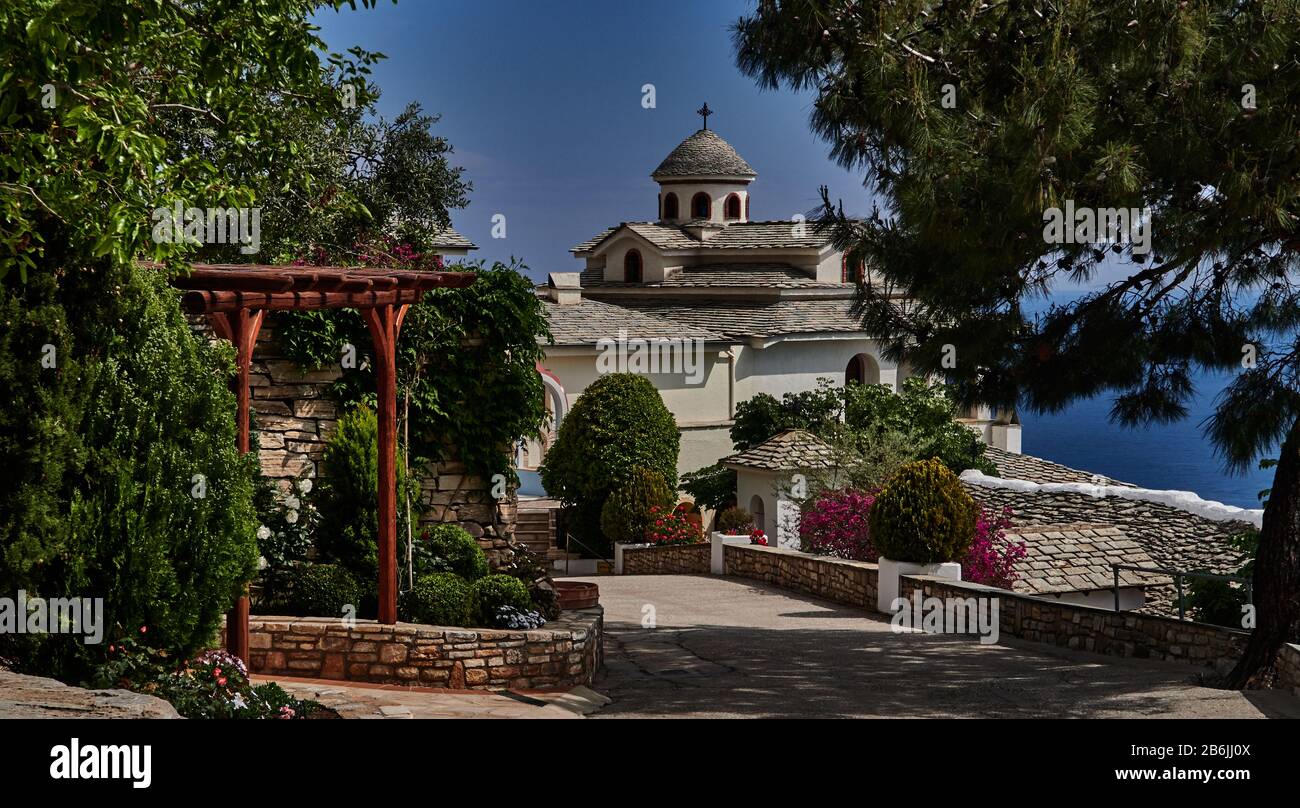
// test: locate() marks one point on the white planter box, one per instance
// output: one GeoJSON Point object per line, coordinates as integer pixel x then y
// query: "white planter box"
{"type": "Point", "coordinates": [891, 571]}
{"type": "Point", "coordinates": [717, 542]}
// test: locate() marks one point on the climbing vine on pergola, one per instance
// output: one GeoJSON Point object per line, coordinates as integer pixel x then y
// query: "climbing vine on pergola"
{"type": "Point", "coordinates": [236, 297]}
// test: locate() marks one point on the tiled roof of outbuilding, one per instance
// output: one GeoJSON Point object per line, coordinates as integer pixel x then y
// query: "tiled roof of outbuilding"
{"type": "Point", "coordinates": [1077, 558]}
{"type": "Point", "coordinates": [788, 450]}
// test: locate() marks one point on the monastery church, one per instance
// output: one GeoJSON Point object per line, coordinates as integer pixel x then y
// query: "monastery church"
{"type": "Point", "coordinates": [756, 306]}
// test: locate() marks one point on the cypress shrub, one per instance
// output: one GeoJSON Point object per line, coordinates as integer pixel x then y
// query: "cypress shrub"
{"type": "Point", "coordinates": [626, 513]}
{"type": "Point", "coordinates": [441, 599]}
{"type": "Point", "coordinates": [923, 514]}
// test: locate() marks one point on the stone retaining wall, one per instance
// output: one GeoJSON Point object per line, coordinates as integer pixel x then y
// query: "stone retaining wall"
{"type": "Point", "coordinates": [849, 582]}
{"type": "Point", "coordinates": [1088, 628]}
{"type": "Point", "coordinates": [293, 417]}
{"type": "Point", "coordinates": [681, 559]}
{"type": "Point", "coordinates": [564, 653]}
{"type": "Point", "coordinates": [1085, 628]}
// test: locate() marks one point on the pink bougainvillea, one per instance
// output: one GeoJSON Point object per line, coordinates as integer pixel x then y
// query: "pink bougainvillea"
{"type": "Point", "coordinates": [835, 524]}
{"type": "Point", "coordinates": [992, 559]}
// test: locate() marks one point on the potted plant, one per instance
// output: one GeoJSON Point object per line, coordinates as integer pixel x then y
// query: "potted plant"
{"type": "Point", "coordinates": [922, 522]}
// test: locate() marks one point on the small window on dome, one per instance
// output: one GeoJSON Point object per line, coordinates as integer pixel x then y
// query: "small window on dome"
{"type": "Point", "coordinates": [701, 206]}
{"type": "Point", "coordinates": [850, 273]}
{"type": "Point", "coordinates": [632, 267]}
{"type": "Point", "coordinates": [670, 207]}
{"type": "Point", "coordinates": [731, 209]}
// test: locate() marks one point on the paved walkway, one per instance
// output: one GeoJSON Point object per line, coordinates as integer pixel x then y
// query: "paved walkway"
{"type": "Point", "coordinates": [727, 647]}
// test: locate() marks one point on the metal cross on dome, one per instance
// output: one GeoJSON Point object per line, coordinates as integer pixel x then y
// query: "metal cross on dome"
{"type": "Point", "coordinates": [705, 112]}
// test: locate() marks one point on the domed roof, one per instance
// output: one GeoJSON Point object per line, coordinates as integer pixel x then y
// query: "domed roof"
{"type": "Point", "coordinates": [703, 154]}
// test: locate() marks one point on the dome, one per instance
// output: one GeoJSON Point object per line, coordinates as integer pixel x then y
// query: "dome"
{"type": "Point", "coordinates": [703, 154]}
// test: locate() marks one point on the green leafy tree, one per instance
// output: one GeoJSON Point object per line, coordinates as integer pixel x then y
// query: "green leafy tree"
{"type": "Point", "coordinates": [921, 414]}
{"type": "Point", "coordinates": [113, 440]}
{"type": "Point", "coordinates": [763, 416]}
{"type": "Point", "coordinates": [466, 366]}
{"type": "Point", "coordinates": [980, 125]}
{"type": "Point", "coordinates": [618, 424]}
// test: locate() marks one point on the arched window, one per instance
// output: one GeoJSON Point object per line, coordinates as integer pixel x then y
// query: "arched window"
{"type": "Point", "coordinates": [862, 369]}
{"type": "Point", "coordinates": [847, 274]}
{"type": "Point", "coordinates": [731, 208]}
{"type": "Point", "coordinates": [701, 206]}
{"type": "Point", "coordinates": [670, 207]}
{"type": "Point", "coordinates": [632, 267]}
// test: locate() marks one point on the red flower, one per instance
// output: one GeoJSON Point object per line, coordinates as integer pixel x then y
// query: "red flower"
{"type": "Point", "coordinates": [222, 681]}
{"type": "Point", "coordinates": [143, 629]}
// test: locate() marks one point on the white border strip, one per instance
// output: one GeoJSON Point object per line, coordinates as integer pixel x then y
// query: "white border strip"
{"type": "Point", "coordinates": [1181, 500]}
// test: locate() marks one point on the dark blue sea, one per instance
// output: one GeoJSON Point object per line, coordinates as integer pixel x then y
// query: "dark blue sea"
{"type": "Point", "coordinates": [1173, 456]}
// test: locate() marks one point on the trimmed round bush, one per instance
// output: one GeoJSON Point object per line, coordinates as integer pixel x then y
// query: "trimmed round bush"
{"type": "Point", "coordinates": [626, 513]}
{"type": "Point", "coordinates": [456, 551]}
{"type": "Point", "coordinates": [491, 592]}
{"type": "Point", "coordinates": [440, 599]}
{"type": "Point", "coordinates": [617, 425]}
{"type": "Point", "coordinates": [923, 515]}
{"type": "Point", "coordinates": [324, 590]}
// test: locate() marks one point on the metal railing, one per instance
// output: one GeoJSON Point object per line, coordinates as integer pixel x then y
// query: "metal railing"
{"type": "Point", "coordinates": [568, 537]}
{"type": "Point", "coordinates": [1178, 576]}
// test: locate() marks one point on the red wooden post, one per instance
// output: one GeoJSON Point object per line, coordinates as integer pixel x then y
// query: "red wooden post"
{"type": "Point", "coordinates": [240, 327]}
{"type": "Point", "coordinates": [384, 322]}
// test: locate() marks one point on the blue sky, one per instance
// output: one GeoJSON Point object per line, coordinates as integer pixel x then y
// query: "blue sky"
{"type": "Point", "coordinates": [542, 102]}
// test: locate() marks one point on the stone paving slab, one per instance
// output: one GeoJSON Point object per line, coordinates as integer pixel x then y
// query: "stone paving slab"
{"type": "Point", "coordinates": [368, 701]}
{"type": "Point", "coordinates": [730, 647]}
{"type": "Point", "coordinates": [24, 696]}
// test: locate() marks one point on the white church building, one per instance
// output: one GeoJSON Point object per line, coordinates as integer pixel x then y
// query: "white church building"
{"type": "Point", "coordinates": [754, 306]}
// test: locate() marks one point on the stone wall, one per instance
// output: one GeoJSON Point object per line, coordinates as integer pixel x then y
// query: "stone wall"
{"type": "Point", "coordinates": [564, 653]}
{"type": "Point", "coordinates": [849, 582]}
{"type": "Point", "coordinates": [293, 417]}
{"type": "Point", "coordinates": [683, 559]}
{"type": "Point", "coordinates": [1084, 628]}
{"type": "Point", "coordinates": [1087, 628]}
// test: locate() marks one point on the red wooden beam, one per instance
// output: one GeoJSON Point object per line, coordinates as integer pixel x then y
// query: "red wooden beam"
{"type": "Point", "coordinates": [385, 322]}
{"type": "Point", "coordinates": [240, 327]}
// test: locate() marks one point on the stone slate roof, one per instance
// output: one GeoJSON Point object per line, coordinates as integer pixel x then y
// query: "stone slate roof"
{"type": "Point", "coordinates": [449, 238]}
{"type": "Point", "coordinates": [1013, 466]}
{"type": "Point", "coordinates": [746, 276]}
{"type": "Point", "coordinates": [788, 450]}
{"type": "Point", "coordinates": [703, 154]}
{"type": "Point", "coordinates": [742, 318]}
{"type": "Point", "coordinates": [589, 321]}
{"type": "Point", "coordinates": [735, 236]}
{"type": "Point", "coordinates": [1076, 558]}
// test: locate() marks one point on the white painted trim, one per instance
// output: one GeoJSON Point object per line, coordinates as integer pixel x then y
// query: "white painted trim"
{"type": "Point", "coordinates": [1181, 500]}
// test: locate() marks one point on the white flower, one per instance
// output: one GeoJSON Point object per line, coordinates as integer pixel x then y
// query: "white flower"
{"type": "Point", "coordinates": [291, 517]}
{"type": "Point", "coordinates": [238, 702]}
{"type": "Point", "coordinates": [262, 563]}
{"type": "Point", "coordinates": [304, 485]}
{"type": "Point", "coordinates": [263, 532]}
{"type": "Point", "coordinates": [292, 503]}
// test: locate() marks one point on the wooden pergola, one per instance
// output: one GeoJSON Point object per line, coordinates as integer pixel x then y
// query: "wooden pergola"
{"type": "Point", "coordinates": [235, 298]}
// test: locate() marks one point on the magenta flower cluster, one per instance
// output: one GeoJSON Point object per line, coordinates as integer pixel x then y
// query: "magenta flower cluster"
{"type": "Point", "coordinates": [836, 525]}
{"type": "Point", "coordinates": [992, 558]}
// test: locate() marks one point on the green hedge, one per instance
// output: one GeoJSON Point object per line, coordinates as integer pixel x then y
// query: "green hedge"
{"type": "Point", "coordinates": [494, 591]}
{"type": "Point", "coordinates": [441, 599]}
